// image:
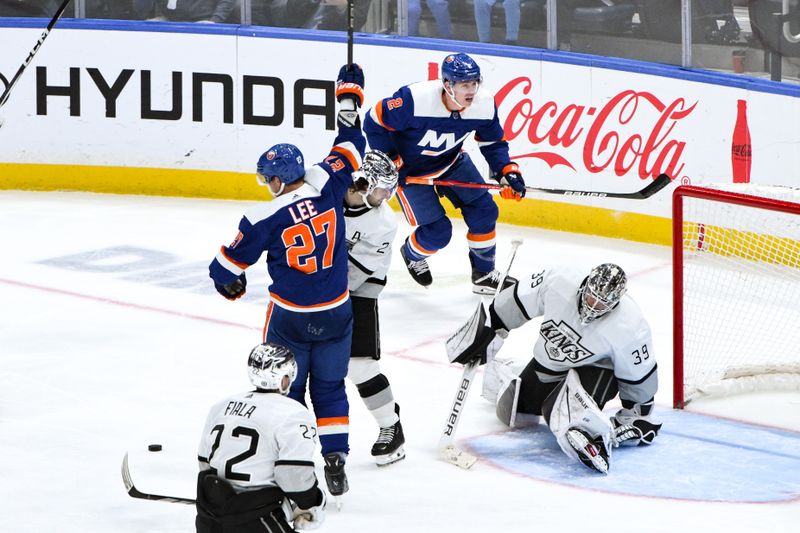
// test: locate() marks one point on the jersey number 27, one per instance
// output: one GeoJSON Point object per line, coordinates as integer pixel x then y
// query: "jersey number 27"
{"type": "Point", "coordinates": [300, 244]}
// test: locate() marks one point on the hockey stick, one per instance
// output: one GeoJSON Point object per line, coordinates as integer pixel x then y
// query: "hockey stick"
{"type": "Point", "coordinates": [24, 65]}
{"type": "Point", "coordinates": [133, 492]}
{"type": "Point", "coordinates": [349, 32]}
{"type": "Point", "coordinates": [447, 449]}
{"type": "Point", "coordinates": [653, 187]}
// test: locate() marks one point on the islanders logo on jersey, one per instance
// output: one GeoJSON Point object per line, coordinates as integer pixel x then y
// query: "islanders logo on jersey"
{"type": "Point", "coordinates": [562, 343]}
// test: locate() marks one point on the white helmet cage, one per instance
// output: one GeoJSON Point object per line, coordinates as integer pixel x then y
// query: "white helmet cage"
{"type": "Point", "coordinates": [267, 366]}
{"type": "Point", "coordinates": [606, 284]}
{"type": "Point", "coordinates": [380, 172]}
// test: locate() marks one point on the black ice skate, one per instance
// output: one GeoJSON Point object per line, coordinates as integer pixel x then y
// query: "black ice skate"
{"type": "Point", "coordinates": [486, 282]}
{"type": "Point", "coordinates": [388, 448]}
{"type": "Point", "coordinates": [591, 452]}
{"type": "Point", "coordinates": [418, 269]}
{"type": "Point", "coordinates": [335, 476]}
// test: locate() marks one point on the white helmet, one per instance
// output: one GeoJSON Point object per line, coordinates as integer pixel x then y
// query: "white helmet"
{"type": "Point", "coordinates": [268, 364]}
{"type": "Point", "coordinates": [601, 291]}
{"type": "Point", "coordinates": [380, 173]}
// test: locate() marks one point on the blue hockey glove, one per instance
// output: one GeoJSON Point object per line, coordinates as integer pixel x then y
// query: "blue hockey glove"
{"type": "Point", "coordinates": [350, 84]}
{"type": "Point", "coordinates": [234, 290]}
{"type": "Point", "coordinates": [511, 176]}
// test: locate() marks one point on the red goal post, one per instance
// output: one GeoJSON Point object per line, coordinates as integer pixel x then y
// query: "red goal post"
{"type": "Point", "coordinates": [736, 290]}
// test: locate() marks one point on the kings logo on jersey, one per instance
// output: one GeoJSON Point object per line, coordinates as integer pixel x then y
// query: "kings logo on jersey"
{"type": "Point", "coordinates": [435, 140]}
{"type": "Point", "coordinates": [562, 343]}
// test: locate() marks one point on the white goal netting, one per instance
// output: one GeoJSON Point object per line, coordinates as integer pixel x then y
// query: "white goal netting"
{"type": "Point", "coordinates": [741, 293]}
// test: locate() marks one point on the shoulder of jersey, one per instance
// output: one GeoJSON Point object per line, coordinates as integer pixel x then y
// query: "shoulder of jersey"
{"type": "Point", "coordinates": [427, 96]}
{"type": "Point", "coordinates": [482, 107]}
{"type": "Point", "coordinates": [264, 210]}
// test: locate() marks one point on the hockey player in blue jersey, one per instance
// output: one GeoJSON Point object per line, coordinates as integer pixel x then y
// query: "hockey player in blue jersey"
{"type": "Point", "coordinates": [302, 230]}
{"type": "Point", "coordinates": [423, 126]}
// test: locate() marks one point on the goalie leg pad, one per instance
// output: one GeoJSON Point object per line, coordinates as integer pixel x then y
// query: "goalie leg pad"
{"type": "Point", "coordinates": [574, 409]}
{"type": "Point", "coordinates": [496, 375]}
{"type": "Point", "coordinates": [507, 401]}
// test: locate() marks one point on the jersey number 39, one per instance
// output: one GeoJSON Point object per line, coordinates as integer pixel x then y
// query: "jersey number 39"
{"type": "Point", "coordinates": [300, 244]}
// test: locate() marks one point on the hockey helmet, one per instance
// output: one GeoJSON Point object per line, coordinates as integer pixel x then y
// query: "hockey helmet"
{"type": "Point", "coordinates": [284, 161]}
{"type": "Point", "coordinates": [460, 67]}
{"type": "Point", "coordinates": [601, 291]}
{"type": "Point", "coordinates": [380, 174]}
{"type": "Point", "coordinates": [268, 364]}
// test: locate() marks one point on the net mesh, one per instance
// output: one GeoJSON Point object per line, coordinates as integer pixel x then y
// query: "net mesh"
{"type": "Point", "coordinates": [741, 298]}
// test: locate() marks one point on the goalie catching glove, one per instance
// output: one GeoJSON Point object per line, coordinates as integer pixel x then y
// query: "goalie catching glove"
{"type": "Point", "coordinates": [350, 95]}
{"type": "Point", "coordinates": [233, 290]}
{"type": "Point", "coordinates": [632, 428]}
{"type": "Point", "coordinates": [475, 341]}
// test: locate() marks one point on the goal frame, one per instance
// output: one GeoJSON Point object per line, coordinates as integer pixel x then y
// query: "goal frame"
{"type": "Point", "coordinates": [714, 195]}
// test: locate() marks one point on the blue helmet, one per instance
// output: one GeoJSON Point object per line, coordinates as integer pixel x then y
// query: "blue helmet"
{"type": "Point", "coordinates": [460, 67]}
{"type": "Point", "coordinates": [282, 160]}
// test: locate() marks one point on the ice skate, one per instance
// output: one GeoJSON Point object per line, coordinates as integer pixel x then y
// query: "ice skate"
{"type": "Point", "coordinates": [419, 270]}
{"type": "Point", "coordinates": [591, 452]}
{"type": "Point", "coordinates": [486, 282]}
{"type": "Point", "coordinates": [335, 476]}
{"type": "Point", "coordinates": [388, 448]}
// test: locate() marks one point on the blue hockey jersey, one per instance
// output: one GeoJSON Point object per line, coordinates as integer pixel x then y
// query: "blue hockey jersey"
{"type": "Point", "coordinates": [303, 233]}
{"type": "Point", "coordinates": [416, 125]}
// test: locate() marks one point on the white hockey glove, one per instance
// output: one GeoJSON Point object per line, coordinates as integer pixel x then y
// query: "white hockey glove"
{"type": "Point", "coordinates": [305, 519]}
{"type": "Point", "coordinates": [633, 429]}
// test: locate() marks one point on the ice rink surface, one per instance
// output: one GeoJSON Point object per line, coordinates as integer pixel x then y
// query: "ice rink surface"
{"type": "Point", "coordinates": [112, 337]}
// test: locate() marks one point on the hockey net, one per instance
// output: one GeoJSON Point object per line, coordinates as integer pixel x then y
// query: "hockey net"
{"type": "Point", "coordinates": [736, 288]}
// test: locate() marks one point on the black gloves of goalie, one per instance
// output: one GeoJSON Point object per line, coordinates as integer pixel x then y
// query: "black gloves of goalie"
{"type": "Point", "coordinates": [635, 433]}
{"type": "Point", "coordinates": [233, 290]}
{"type": "Point", "coordinates": [350, 95]}
{"type": "Point", "coordinates": [477, 350]}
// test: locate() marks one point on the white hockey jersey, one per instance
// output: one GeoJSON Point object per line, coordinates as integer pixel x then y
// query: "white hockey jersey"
{"type": "Point", "coordinates": [260, 439]}
{"type": "Point", "coordinates": [619, 340]}
{"type": "Point", "coordinates": [370, 233]}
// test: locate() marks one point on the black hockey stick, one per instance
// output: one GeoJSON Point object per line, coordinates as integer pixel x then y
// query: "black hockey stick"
{"type": "Point", "coordinates": [24, 65]}
{"type": "Point", "coordinates": [653, 187]}
{"type": "Point", "coordinates": [133, 492]}
{"type": "Point", "coordinates": [349, 32]}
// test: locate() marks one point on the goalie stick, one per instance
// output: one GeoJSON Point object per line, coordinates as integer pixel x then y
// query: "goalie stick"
{"type": "Point", "coordinates": [447, 448]}
{"type": "Point", "coordinates": [133, 492]}
{"type": "Point", "coordinates": [653, 187]}
{"type": "Point", "coordinates": [10, 85]}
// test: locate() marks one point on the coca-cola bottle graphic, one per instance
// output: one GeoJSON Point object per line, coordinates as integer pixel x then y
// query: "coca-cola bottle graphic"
{"type": "Point", "coordinates": [741, 149]}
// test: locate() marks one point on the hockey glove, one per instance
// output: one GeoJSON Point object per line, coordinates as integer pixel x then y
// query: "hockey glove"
{"type": "Point", "coordinates": [630, 430]}
{"type": "Point", "coordinates": [233, 290]}
{"type": "Point", "coordinates": [511, 177]}
{"type": "Point", "coordinates": [350, 84]}
{"type": "Point", "coordinates": [305, 519]}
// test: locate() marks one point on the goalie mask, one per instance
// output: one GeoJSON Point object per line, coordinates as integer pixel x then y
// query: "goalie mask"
{"type": "Point", "coordinates": [380, 174]}
{"type": "Point", "coordinates": [601, 291]}
{"type": "Point", "coordinates": [269, 364]}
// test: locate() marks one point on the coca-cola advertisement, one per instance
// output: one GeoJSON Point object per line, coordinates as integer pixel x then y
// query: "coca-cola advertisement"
{"type": "Point", "coordinates": [209, 104]}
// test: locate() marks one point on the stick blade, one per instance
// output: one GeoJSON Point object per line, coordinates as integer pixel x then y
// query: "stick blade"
{"type": "Point", "coordinates": [457, 457]}
{"type": "Point", "coordinates": [656, 185]}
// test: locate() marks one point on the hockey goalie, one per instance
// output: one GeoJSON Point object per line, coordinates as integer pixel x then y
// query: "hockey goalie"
{"type": "Point", "coordinates": [593, 344]}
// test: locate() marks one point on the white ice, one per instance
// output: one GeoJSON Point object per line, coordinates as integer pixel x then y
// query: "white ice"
{"type": "Point", "coordinates": [111, 338]}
